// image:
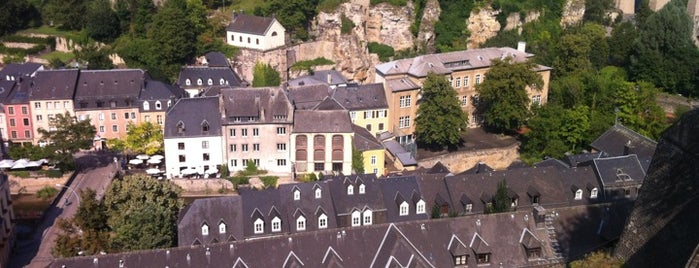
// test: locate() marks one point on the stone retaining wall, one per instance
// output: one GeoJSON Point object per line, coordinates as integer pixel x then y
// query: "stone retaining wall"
{"type": "Point", "coordinates": [497, 158]}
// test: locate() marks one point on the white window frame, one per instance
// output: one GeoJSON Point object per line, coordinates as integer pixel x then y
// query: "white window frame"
{"type": "Point", "coordinates": [464, 101]}
{"type": "Point", "coordinates": [276, 224]}
{"type": "Point", "coordinates": [204, 229]}
{"type": "Point", "coordinates": [457, 82]}
{"type": "Point", "coordinates": [594, 192]}
{"type": "Point", "coordinates": [478, 79]}
{"type": "Point", "coordinates": [578, 194]}
{"type": "Point", "coordinates": [259, 226]}
{"type": "Point", "coordinates": [356, 218]}
{"type": "Point", "coordinates": [322, 221]}
{"type": "Point", "coordinates": [297, 194]}
{"type": "Point", "coordinates": [350, 189]}
{"type": "Point", "coordinates": [362, 188]}
{"type": "Point", "coordinates": [466, 78]}
{"type": "Point", "coordinates": [403, 209]}
{"type": "Point", "coordinates": [420, 207]}
{"type": "Point", "coordinates": [222, 228]}
{"type": "Point", "coordinates": [373, 160]}
{"type": "Point", "coordinates": [301, 223]}
{"type": "Point", "coordinates": [318, 193]}
{"type": "Point", "coordinates": [367, 217]}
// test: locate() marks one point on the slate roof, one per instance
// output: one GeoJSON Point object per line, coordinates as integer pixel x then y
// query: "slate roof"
{"type": "Point", "coordinates": [576, 160]}
{"type": "Point", "coordinates": [408, 244]}
{"type": "Point", "coordinates": [620, 171]}
{"type": "Point", "coordinates": [307, 97]}
{"type": "Point", "coordinates": [104, 86]}
{"type": "Point", "coordinates": [248, 24]}
{"type": "Point", "coordinates": [55, 84]}
{"type": "Point", "coordinates": [158, 91]}
{"type": "Point", "coordinates": [20, 93]}
{"type": "Point", "coordinates": [405, 157]}
{"type": "Point", "coordinates": [328, 104]}
{"type": "Point", "coordinates": [583, 178]}
{"type": "Point", "coordinates": [261, 103]}
{"type": "Point", "coordinates": [308, 206]}
{"type": "Point", "coordinates": [193, 73]}
{"type": "Point", "coordinates": [361, 97]}
{"type": "Point", "coordinates": [345, 204]}
{"type": "Point", "coordinates": [551, 162]}
{"type": "Point", "coordinates": [6, 88]}
{"type": "Point", "coordinates": [182, 111]}
{"type": "Point", "coordinates": [337, 121]}
{"type": "Point", "coordinates": [322, 77]}
{"type": "Point", "coordinates": [265, 204]}
{"type": "Point", "coordinates": [210, 211]}
{"type": "Point", "coordinates": [216, 59]}
{"type": "Point", "coordinates": [398, 189]}
{"type": "Point", "coordinates": [363, 140]}
{"type": "Point", "coordinates": [17, 70]}
{"type": "Point", "coordinates": [614, 141]}
{"type": "Point", "coordinates": [480, 167]}
{"type": "Point", "coordinates": [401, 84]}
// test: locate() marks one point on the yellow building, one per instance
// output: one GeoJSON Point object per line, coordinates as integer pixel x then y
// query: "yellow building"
{"type": "Point", "coordinates": [373, 153]}
{"type": "Point", "coordinates": [403, 78]}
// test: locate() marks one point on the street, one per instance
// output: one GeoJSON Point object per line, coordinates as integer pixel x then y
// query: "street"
{"type": "Point", "coordinates": [95, 171]}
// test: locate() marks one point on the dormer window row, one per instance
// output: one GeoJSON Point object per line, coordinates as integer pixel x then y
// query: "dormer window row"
{"type": "Point", "coordinates": [317, 193]}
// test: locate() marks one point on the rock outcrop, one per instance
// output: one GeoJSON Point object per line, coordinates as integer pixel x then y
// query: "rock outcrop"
{"type": "Point", "coordinates": [483, 25]}
{"type": "Point", "coordinates": [573, 12]}
{"type": "Point", "coordinates": [390, 25]}
{"type": "Point", "coordinates": [514, 20]}
{"type": "Point", "coordinates": [662, 228]}
{"type": "Point", "coordinates": [425, 36]}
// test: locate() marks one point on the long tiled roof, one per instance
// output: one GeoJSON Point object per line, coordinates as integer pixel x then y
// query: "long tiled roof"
{"type": "Point", "coordinates": [620, 170]}
{"type": "Point", "coordinates": [212, 212]}
{"type": "Point", "coordinates": [619, 140]}
{"type": "Point", "coordinates": [193, 113]}
{"type": "Point", "coordinates": [313, 121]}
{"type": "Point", "coordinates": [122, 86]}
{"type": "Point", "coordinates": [307, 97]}
{"type": "Point", "coordinates": [361, 97]}
{"type": "Point", "coordinates": [266, 104]}
{"type": "Point", "coordinates": [325, 77]}
{"type": "Point", "coordinates": [345, 203]}
{"type": "Point", "coordinates": [55, 84]}
{"type": "Point", "coordinates": [364, 140]}
{"type": "Point", "coordinates": [402, 189]}
{"type": "Point", "coordinates": [16, 70]}
{"type": "Point", "coordinates": [248, 24]}
{"type": "Point", "coordinates": [219, 76]}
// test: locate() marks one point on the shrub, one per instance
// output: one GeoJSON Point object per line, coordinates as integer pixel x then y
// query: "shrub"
{"type": "Point", "coordinates": [347, 25]}
{"type": "Point", "coordinates": [53, 173]}
{"type": "Point", "coordinates": [398, 3]}
{"type": "Point", "coordinates": [308, 177]}
{"type": "Point", "coordinates": [269, 181]}
{"type": "Point", "coordinates": [329, 5]}
{"type": "Point", "coordinates": [385, 52]}
{"type": "Point", "coordinates": [22, 173]}
{"type": "Point", "coordinates": [46, 193]}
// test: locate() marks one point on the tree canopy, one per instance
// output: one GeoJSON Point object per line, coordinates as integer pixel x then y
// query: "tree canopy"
{"type": "Point", "coordinates": [265, 76]}
{"type": "Point", "coordinates": [67, 136]}
{"type": "Point", "coordinates": [440, 119]}
{"type": "Point", "coordinates": [502, 97]}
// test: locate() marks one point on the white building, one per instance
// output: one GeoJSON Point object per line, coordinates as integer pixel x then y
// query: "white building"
{"type": "Point", "coordinates": [254, 32]}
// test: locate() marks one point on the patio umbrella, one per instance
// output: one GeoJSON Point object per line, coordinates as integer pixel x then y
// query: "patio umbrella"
{"type": "Point", "coordinates": [33, 164]}
{"type": "Point", "coordinates": [142, 156]}
{"type": "Point", "coordinates": [211, 171]}
{"type": "Point", "coordinates": [157, 156]}
{"type": "Point", "coordinates": [154, 161]}
{"type": "Point", "coordinates": [188, 171]}
{"type": "Point", "coordinates": [135, 161]}
{"type": "Point", "coordinates": [153, 171]}
{"type": "Point", "coordinates": [19, 165]}
{"type": "Point", "coordinates": [6, 163]}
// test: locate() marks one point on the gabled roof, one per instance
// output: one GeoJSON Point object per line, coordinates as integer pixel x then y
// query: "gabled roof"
{"type": "Point", "coordinates": [157, 90]}
{"type": "Point", "coordinates": [119, 85]}
{"type": "Point", "coordinates": [212, 211]}
{"type": "Point", "coordinates": [328, 104]}
{"type": "Point", "coordinates": [268, 105]}
{"type": "Point", "coordinates": [269, 205]}
{"type": "Point", "coordinates": [307, 205]}
{"type": "Point", "coordinates": [404, 156]}
{"type": "Point", "coordinates": [6, 88]}
{"type": "Point", "coordinates": [576, 160]}
{"type": "Point", "coordinates": [619, 140]}
{"type": "Point", "coordinates": [20, 92]}
{"type": "Point", "coordinates": [307, 97]}
{"type": "Point", "coordinates": [17, 70]}
{"type": "Point", "coordinates": [193, 112]}
{"type": "Point", "coordinates": [324, 77]}
{"type": "Point", "coordinates": [551, 162]}
{"type": "Point", "coordinates": [345, 204]}
{"type": "Point", "coordinates": [55, 84]}
{"type": "Point", "coordinates": [480, 167]}
{"type": "Point", "coordinates": [363, 140]}
{"type": "Point", "coordinates": [216, 59]}
{"type": "Point", "coordinates": [401, 84]}
{"type": "Point", "coordinates": [216, 74]}
{"type": "Point", "coordinates": [397, 190]}
{"type": "Point", "coordinates": [438, 168]}
{"type": "Point", "coordinates": [243, 23]}
{"type": "Point", "coordinates": [361, 97]}
{"type": "Point", "coordinates": [307, 121]}
{"type": "Point", "coordinates": [620, 170]}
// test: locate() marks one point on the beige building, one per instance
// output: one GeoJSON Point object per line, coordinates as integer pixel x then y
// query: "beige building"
{"type": "Point", "coordinates": [52, 95]}
{"type": "Point", "coordinates": [373, 152]}
{"type": "Point", "coordinates": [402, 81]}
{"type": "Point", "coordinates": [256, 126]}
{"type": "Point", "coordinates": [322, 142]}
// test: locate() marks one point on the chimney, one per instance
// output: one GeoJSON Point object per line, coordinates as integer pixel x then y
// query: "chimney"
{"type": "Point", "coordinates": [330, 78]}
{"type": "Point", "coordinates": [522, 46]}
{"type": "Point", "coordinates": [627, 147]}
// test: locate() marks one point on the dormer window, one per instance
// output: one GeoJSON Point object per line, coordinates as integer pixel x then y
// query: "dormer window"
{"type": "Point", "coordinates": [420, 207]}
{"type": "Point", "coordinates": [297, 194]}
{"type": "Point", "coordinates": [112, 104]}
{"type": "Point", "coordinates": [210, 82]}
{"type": "Point", "coordinates": [362, 189]}
{"type": "Point", "coordinates": [483, 258]}
{"type": "Point", "coordinates": [158, 105]}
{"type": "Point", "coordinates": [301, 223]}
{"type": "Point", "coordinates": [460, 260]}
{"type": "Point", "coordinates": [356, 218]}
{"type": "Point", "coordinates": [204, 229]}
{"type": "Point", "coordinates": [593, 193]}
{"type": "Point", "coordinates": [259, 226]}
{"type": "Point", "coordinates": [188, 82]}
{"type": "Point", "coordinates": [221, 227]}
{"type": "Point", "coordinates": [222, 82]}
{"type": "Point", "coordinates": [350, 189]}
{"type": "Point", "coordinates": [367, 216]}
{"type": "Point", "coordinates": [180, 127]}
{"type": "Point", "coordinates": [322, 221]}
{"type": "Point", "coordinates": [199, 82]}
{"type": "Point", "coordinates": [403, 209]}
{"type": "Point", "coordinates": [468, 207]}
{"type": "Point", "coordinates": [578, 194]}
{"type": "Point", "coordinates": [146, 106]}
{"type": "Point", "coordinates": [205, 126]}
{"type": "Point", "coordinates": [169, 103]}
{"type": "Point", "coordinates": [276, 224]}
{"type": "Point", "coordinates": [317, 193]}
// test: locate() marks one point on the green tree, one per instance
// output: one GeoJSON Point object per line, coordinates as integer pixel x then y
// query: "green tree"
{"type": "Point", "coordinates": [16, 15]}
{"type": "Point", "coordinates": [357, 161]}
{"type": "Point", "coordinates": [553, 131]}
{"type": "Point", "coordinates": [502, 97]}
{"type": "Point", "coordinates": [142, 213]}
{"type": "Point", "coordinates": [101, 22]}
{"type": "Point", "coordinates": [597, 259]}
{"type": "Point", "coordinates": [173, 33]}
{"type": "Point", "coordinates": [265, 76]}
{"type": "Point", "coordinates": [86, 231]}
{"type": "Point", "coordinates": [144, 138]}
{"type": "Point", "coordinates": [501, 200]}
{"type": "Point", "coordinates": [68, 136]}
{"type": "Point", "coordinates": [91, 214]}
{"type": "Point", "coordinates": [620, 47]}
{"type": "Point", "coordinates": [294, 15]}
{"type": "Point", "coordinates": [46, 193]}
{"type": "Point", "coordinates": [573, 52]}
{"type": "Point", "coordinates": [638, 110]}
{"type": "Point", "coordinates": [97, 58]}
{"type": "Point", "coordinates": [597, 11]}
{"type": "Point", "coordinates": [440, 120]}
{"type": "Point", "coordinates": [67, 14]}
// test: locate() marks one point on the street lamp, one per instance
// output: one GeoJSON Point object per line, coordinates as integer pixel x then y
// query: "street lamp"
{"type": "Point", "coordinates": [71, 190]}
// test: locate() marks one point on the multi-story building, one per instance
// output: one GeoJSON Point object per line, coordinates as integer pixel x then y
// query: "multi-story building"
{"type": "Point", "coordinates": [109, 99]}
{"type": "Point", "coordinates": [464, 69]}
{"type": "Point", "coordinates": [373, 152]}
{"type": "Point", "coordinates": [155, 100]}
{"type": "Point", "coordinates": [193, 136]}
{"type": "Point", "coordinates": [18, 114]}
{"type": "Point", "coordinates": [52, 94]}
{"type": "Point", "coordinates": [321, 141]}
{"type": "Point", "coordinates": [256, 127]}
{"type": "Point", "coordinates": [366, 105]}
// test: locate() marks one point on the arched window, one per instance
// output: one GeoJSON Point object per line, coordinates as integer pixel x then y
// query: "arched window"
{"type": "Point", "coordinates": [188, 82]}
{"type": "Point", "coordinates": [146, 105]}
{"type": "Point", "coordinates": [322, 221]}
{"type": "Point", "coordinates": [362, 188]}
{"type": "Point", "coordinates": [317, 193]}
{"type": "Point", "coordinates": [350, 189]}
{"type": "Point", "coordinates": [199, 82]}
{"type": "Point", "coordinates": [356, 218]}
{"type": "Point", "coordinates": [301, 145]}
{"type": "Point", "coordinates": [257, 41]}
{"type": "Point", "coordinates": [593, 193]}
{"type": "Point", "coordinates": [367, 217]}
{"type": "Point", "coordinates": [169, 103]}
{"type": "Point", "coordinates": [259, 226]}
{"type": "Point", "coordinates": [204, 229]}
{"type": "Point", "coordinates": [248, 40]}
{"type": "Point", "coordinates": [180, 127]}
{"type": "Point", "coordinates": [210, 82]}
{"type": "Point", "coordinates": [221, 227]}
{"type": "Point", "coordinates": [420, 207]}
{"type": "Point", "coordinates": [158, 105]}
{"type": "Point", "coordinates": [276, 224]}
{"type": "Point", "coordinates": [301, 223]}
{"type": "Point", "coordinates": [578, 194]}
{"type": "Point", "coordinates": [205, 126]}
{"type": "Point", "coordinates": [274, 33]}
{"type": "Point", "coordinates": [297, 194]}
{"type": "Point", "coordinates": [403, 209]}
{"type": "Point", "coordinates": [222, 82]}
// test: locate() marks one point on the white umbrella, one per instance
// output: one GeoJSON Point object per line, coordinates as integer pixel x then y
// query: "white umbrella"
{"type": "Point", "coordinates": [135, 161]}
{"type": "Point", "coordinates": [154, 161]}
{"type": "Point", "coordinates": [157, 156]}
{"type": "Point", "coordinates": [6, 163]}
{"type": "Point", "coordinates": [153, 171]}
{"type": "Point", "coordinates": [142, 156]}
{"type": "Point", "coordinates": [211, 171]}
{"type": "Point", "coordinates": [188, 171]}
{"type": "Point", "coordinates": [19, 165]}
{"type": "Point", "coordinates": [34, 164]}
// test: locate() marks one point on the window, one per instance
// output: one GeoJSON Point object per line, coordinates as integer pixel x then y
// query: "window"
{"type": "Point", "coordinates": [101, 129]}
{"type": "Point", "coordinates": [420, 207]}
{"type": "Point", "coordinates": [37, 105]}
{"type": "Point", "coordinates": [234, 162]}
{"type": "Point", "coordinates": [204, 229]}
{"type": "Point", "coordinates": [483, 258]}
{"type": "Point", "coordinates": [14, 134]}
{"type": "Point", "coordinates": [25, 121]}
{"type": "Point", "coordinates": [205, 126]}
{"type": "Point", "coordinates": [49, 105]}
{"type": "Point", "coordinates": [256, 147]}
{"type": "Point", "coordinates": [182, 158]}
{"type": "Point", "coordinates": [11, 110]}
{"type": "Point", "coordinates": [210, 82]}
{"type": "Point", "coordinates": [469, 207]}
{"type": "Point", "coordinates": [146, 106]}
{"type": "Point", "coordinates": [281, 162]}
{"type": "Point", "coordinates": [373, 160]}
{"type": "Point", "coordinates": [403, 209]}
{"type": "Point", "coordinates": [536, 99]}
{"type": "Point", "coordinates": [256, 161]}
{"type": "Point", "coordinates": [317, 193]}
{"type": "Point", "coordinates": [362, 189]}
{"type": "Point", "coordinates": [367, 217]}
{"type": "Point", "coordinates": [115, 128]}
{"type": "Point", "coordinates": [281, 147]}
{"type": "Point", "coordinates": [180, 145]}
{"type": "Point", "coordinates": [244, 147]}
{"type": "Point", "coordinates": [221, 228]}
{"type": "Point", "coordinates": [376, 171]}
{"type": "Point", "coordinates": [259, 226]}
{"type": "Point", "coordinates": [353, 115]}
{"type": "Point", "coordinates": [158, 105]}
{"type": "Point", "coordinates": [380, 126]}
{"type": "Point", "coordinates": [350, 189]}
{"type": "Point", "coordinates": [222, 82]}
{"type": "Point", "coordinates": [205, 144]}
{"type": "Point", "coordinates": [231, 132]}
{"type": "Point", "coordinates": [27, 134]}
{"type": "Point", "coordinates": [356, 218]}
{"type": "Point", "coordinates": [461, 260]}
{"type": "Point", "coordinates": [404, 101]}
{"type": "Point", "coordinates": [280, 131]}
{"type": "Point", "coordinates": [255, 132]}
{"type": "Point", "coordinates": [276, 224]}
{"type": "Point", "coordinates": [248, 40]}
{"type": "Point", "coordinates": [368, 127]}
{"type": "Point", "coordinates": [478, 79]}
{"type": "Point", "coordinates": [12, 122]}
{"type": "Point", "coordinates": [188, 82]}
{"type": "Point", "coordinates": [113, 116]}
{"type": "Point", "coordinates": [25, 110]}
{"type": "Point", "coordinates": [257, 41]}
{"type": "Point", "coordinates": [297, 194]}
{"type": "Point", "coordinates": [66, 104]}
{"type": "Point", "coordinates": [244, 132]}
{"type": "Point", "coordinates": [404, 122]}
{"type": "Point", "coordinates": [457, 82]}
{"type": "Point", "coordinates": [112, 104]}
{"type": "Point", "coordinates": [318, 166]}
{"type": "Point", "coordinates": [240, 38]}
{"type": "Point", "coordinates": [578, 194]}
{"type": "Point", "coordinates": [199, 82]}
{"type": "Point", "coordinates": [159, 119]}
{"type": "Point", "coordinates": [465, 81]}
{"type": "Point", "coordinates": [464, 100]}
{"type": "Point", "coordinates": [206, 156]}
{"type": "Point", "coordinates": [322, 221]}
{"type": "Point", "coordinates": [593, 193]}
{"type": "Point", "coordinates": [301, 223]}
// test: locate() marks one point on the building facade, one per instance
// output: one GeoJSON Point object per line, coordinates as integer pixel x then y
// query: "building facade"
{"type": "Point", "coordinates": [321, 141]}
{"type": "Point", "coordinates": [52, 95]}
{"type": "Point", "coordinates": [261, 33]}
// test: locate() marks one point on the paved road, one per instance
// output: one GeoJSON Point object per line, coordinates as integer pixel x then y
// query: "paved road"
{"type": "Point", "coordinates": [96, 169]}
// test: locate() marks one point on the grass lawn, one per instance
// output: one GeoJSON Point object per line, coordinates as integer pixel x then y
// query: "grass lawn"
{"type": "Point", "coordinates": [63, 56]}
{"type": "Point", "coordinates": [45, 29]}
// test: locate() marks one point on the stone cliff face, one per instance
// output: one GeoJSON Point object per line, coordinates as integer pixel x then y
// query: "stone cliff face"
{"type": "Point", "coordinates": [662, 228]}
{"type": "Point", "coordinates": [573, 12]}
{"type": "Point", "coordinates": [425, 36]}
{"type": "Point", "coordinates": [483, 25]}
{"type": "Point", "coordinates": [390, 25]}
{"type": "Point", "coordinates": [514, 20]}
